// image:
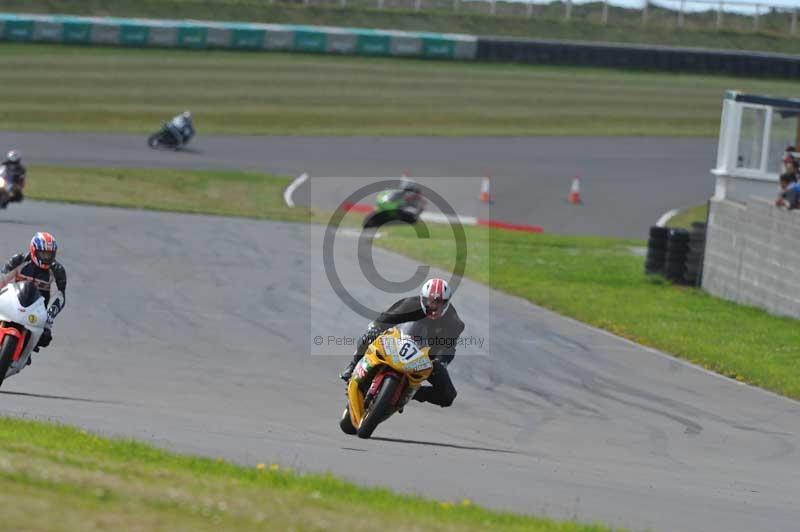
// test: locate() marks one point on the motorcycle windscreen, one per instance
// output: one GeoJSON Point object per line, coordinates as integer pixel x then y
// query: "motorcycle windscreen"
{"type": "Point", "coordinates": [417, 330]}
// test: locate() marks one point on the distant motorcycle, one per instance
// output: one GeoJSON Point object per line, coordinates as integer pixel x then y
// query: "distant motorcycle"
{"type": "Point", "coordinates": [168, 137]}
{"type": "Point", "coordinates": [10, 187]}
{"type": "Point", "coordinates": [405, 204]}
{"type": "Point", "coordinates": [23, 316]}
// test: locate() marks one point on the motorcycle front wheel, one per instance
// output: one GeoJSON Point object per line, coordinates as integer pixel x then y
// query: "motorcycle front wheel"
{"type": "Point", "coordinates": [346, 424]}
{"type": "Point", "coordinates": [7, 349]}
{"type": "Point", "coordinates": [380, 407]}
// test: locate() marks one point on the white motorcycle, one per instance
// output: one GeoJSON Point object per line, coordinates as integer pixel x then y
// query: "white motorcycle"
{"type": "Point", "coordinates": [10, 189]}
{"type": "Point", "coordinates": [23, 316]}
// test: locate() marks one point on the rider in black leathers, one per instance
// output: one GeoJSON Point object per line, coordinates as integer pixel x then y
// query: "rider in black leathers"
{"type": "Point", "coordinates": [443, 328]}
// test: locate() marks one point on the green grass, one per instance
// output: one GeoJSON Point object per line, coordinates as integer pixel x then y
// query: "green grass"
{"type": "Point", "coordinates": [547, 22]}
{"type": "Point", "coordinates": [685, 217]}
{"type": "Point", "coordinates": [600, 282]}
{"type": "Point", "coordinates": [66, 479]}
{"type": "Point", "coordinates": [211, 192]}
{"type": "Point", "coordinates": [113, 89]}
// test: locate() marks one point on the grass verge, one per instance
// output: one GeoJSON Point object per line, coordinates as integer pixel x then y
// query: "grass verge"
{"type": "Point", "coordinates": [66, 479]}
{"type": "Point", "coordinates": [210, 192]}
{"type": "Point", "coordinates": [547, 21]}
{"type": "Point", "coordinates": [600, 282]}
{"type": "Point", "coordinates": [60, 88]}
{"type": "Point", "coordinates": [685, 217]}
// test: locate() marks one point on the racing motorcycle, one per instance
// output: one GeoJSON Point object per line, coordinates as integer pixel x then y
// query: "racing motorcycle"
{"type": "Point", "coordinates": [167, 137]}
{"type": "Point", "coordinates": [404, 204]}
{"type": "Point", "coordinates": [23, 316]}
{"type": "Point", "coordinates": [10, 188]}
{"type": "Point", "coordinates": [391, 371]}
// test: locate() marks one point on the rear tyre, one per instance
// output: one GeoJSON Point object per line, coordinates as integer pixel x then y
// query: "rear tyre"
{"type": "Point", "coordinates": [377, 219]}
{"type": "Point", "coordinates": [6, 355]}
{"type": "Point", "coordinates": [406, 217]}
{"type": "Point", "coordinates": [379, 408]}
{"type": "Point", "coordinates": [346, 424]}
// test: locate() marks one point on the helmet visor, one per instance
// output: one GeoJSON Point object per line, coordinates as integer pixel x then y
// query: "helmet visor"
{"type": "Point", "coordinates": [45, 257]}
{"type": "Point", "coordinates": [434, 307]}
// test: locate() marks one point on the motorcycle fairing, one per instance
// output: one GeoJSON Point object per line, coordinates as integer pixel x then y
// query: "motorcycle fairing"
{"type": "Point", "coordinates": [385, 354]}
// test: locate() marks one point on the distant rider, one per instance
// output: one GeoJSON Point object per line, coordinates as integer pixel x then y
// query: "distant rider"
{"type": "Point", "coordinates": [181, 128]}
{"type": "Point", "coordinates": [15, 173]}
{"type": "Point", "coordinates": [412, 194]}
{"type": "Point", "coordinates": [40, 267]}
{"type": "Point", "coordinates": [443, 328]}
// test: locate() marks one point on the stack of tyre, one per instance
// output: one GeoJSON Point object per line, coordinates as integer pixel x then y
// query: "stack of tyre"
{"type": "Point", "coordinates": [677, 251]}
{"type": "Point", "coordinates": [656, 251]}
{"type": "Point", "coordinates": [694, 258]}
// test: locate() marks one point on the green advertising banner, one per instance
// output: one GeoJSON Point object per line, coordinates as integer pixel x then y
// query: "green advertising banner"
{"type": "Point", "coordinates": [133, 35]}
{"type": "Point", "coordinates": [309, 41]}
{"type": "Point", "coordinates": [18, 30]}
{"type": "Point", "coordinates": [201, 35]}
{"type": "Point", "coordinates": [76, 32]}
{"type": "Point", "coordinates": [248, 39]}
{"type": "Point", "coordinates": [373, 44]}
{"type": "Point", "coordinates": [192, 37]}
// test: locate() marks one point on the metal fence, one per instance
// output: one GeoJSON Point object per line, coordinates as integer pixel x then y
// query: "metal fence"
{"type": "Point", "coordinates": [689, 14]}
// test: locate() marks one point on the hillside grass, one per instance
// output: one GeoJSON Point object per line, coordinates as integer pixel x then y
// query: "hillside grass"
{"type": "Point", "coordinates": [59, 88]}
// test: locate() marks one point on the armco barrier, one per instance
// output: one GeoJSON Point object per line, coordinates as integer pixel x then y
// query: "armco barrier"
{"type": "Point", "coordinates": [752, 64]}
{"type": "Point", "coordinates": [203, 34]}
{"type": "Point", "coordinates": [321, 39]}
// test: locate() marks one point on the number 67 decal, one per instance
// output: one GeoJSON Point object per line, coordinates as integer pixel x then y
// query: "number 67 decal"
{"type": "Point", "coordinates": [408, 350]}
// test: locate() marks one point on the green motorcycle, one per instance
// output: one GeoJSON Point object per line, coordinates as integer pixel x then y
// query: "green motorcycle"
{"type": "Point", "coordinates": [404, 204]}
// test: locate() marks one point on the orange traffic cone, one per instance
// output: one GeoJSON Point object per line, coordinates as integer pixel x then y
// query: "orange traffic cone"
{"type": "Point", "coordinates": [575, 191]}
{"type": "Point", "coordinates": [486, 189]}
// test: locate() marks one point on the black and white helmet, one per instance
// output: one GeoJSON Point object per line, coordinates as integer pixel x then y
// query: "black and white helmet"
{"type": "Point", "coordinates": [13, 156]}
{"type": "Point", "coordinates": [435, 298]}
{"type": "Point", "coordinates": [407, 185]}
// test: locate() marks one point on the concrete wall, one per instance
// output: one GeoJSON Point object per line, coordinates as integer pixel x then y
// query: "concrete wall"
{"type": "Point", "coordinates": [753, 255]}
{"type": "Point", "coordinates": [742, 189]}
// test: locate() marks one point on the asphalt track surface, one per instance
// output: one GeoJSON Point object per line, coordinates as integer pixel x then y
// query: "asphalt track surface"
{"type": "Point", "coordinates": [627, 183]}
{"type": "Point", "coordinates": [195, 333]}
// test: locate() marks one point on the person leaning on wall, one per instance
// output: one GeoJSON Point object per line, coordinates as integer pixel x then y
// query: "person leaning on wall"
{"type": "Point", "coordinates": [790, 163]}
{"type": "Point", "coordinates": [789, 196]}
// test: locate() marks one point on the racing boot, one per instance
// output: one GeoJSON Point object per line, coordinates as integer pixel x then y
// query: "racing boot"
{"type": "Point", "coordinates": [348, 371]}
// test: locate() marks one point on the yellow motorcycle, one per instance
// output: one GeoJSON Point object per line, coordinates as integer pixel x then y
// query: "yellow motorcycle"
{"type": "Point", "coordinates": [391, 371]}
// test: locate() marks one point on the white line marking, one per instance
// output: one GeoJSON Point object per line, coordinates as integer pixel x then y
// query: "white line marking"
{"type": "Point", "coordinates": [438, 218]}
{"type": "Point", "coordinates": [667, 216]}
{"type": "Point", "coordinates": [287, 194]}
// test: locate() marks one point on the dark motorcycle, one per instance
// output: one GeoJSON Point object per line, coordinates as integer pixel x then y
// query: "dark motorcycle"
{"type": "Point", "coordinates": [167, 137]}
{"type": "Point", "coordinates": [11, 187]}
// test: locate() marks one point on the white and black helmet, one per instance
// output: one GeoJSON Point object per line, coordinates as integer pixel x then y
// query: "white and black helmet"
{"type": "Point", "coordinates": [435, 298]}
{"type": "Point", "coordinates": [13, 156]}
